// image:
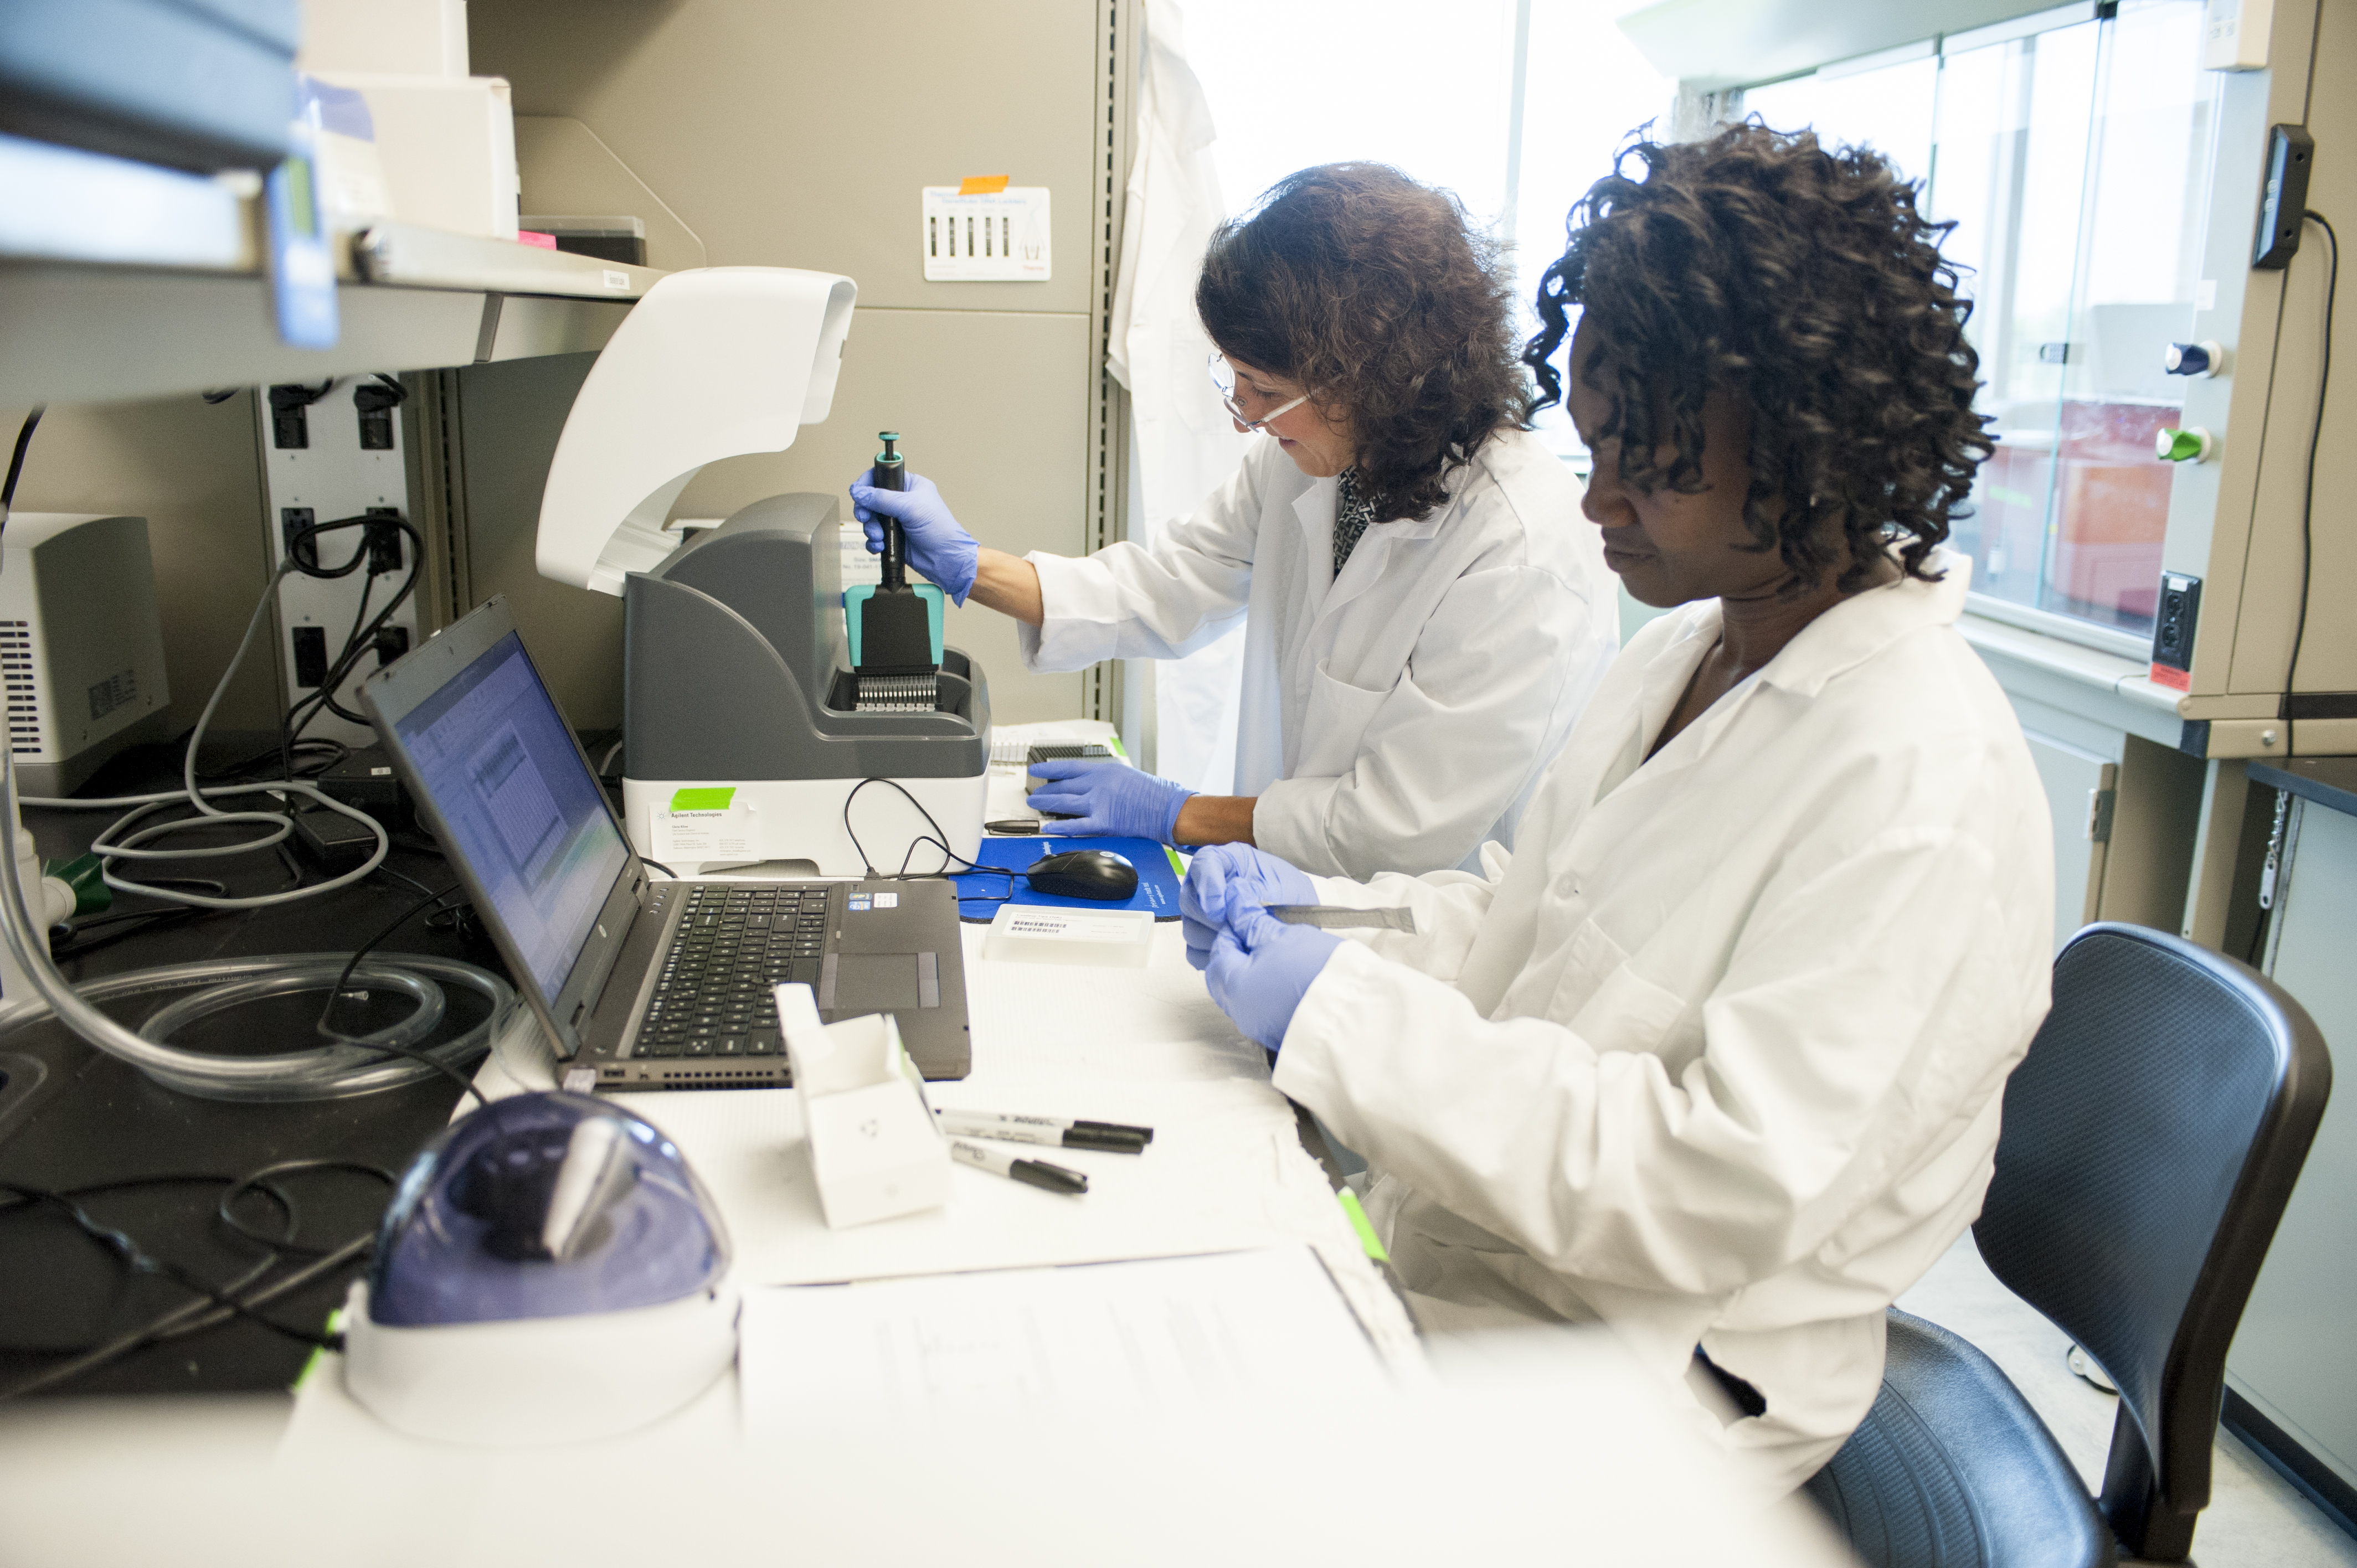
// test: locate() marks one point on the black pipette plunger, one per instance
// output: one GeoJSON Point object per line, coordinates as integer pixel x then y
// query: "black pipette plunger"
{"type": "Point", "coordinates": [896, 635]}
{"type": "Point", "coordinates": [892, 474]}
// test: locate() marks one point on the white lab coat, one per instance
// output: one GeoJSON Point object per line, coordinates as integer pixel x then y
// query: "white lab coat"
{"type": "Point", "coordinates": [1183, 446]}
{"type": "Point", "coordinates": [1716, 1056]}
{"type": "Point", "coordinates": [1395, 717]}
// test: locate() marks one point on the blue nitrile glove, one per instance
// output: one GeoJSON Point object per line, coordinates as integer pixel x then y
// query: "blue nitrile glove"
{"type": "Point", "coordinates": [1261, 968]}
{"type": "Point", "coordinates": [943, 552]}
{"type": "Point", "coordinates": [1227, 878]}
{"type": "Point", "coordinates": [1107, 800]}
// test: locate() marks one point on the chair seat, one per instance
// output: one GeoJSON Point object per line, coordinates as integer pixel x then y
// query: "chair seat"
{"type": "Point", "coordinates": [1953, 1469]}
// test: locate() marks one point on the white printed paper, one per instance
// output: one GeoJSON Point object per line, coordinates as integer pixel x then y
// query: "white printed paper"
{"type": "Point", "coordinates": [1070, 926]}
{"type": "Point", "coordinates": [998, 238]}
{"type": "Point", "coordinates": [703, 832]}
{"type": "Point", "coordinates": [1085, 1341]}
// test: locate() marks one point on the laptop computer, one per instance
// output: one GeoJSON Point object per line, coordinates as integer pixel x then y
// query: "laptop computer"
{"type": "Point", "coordinates": [654, 983]}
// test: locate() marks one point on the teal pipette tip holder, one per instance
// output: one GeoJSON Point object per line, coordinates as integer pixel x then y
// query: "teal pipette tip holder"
{"type": "Point", "coordinates": [855, 598]}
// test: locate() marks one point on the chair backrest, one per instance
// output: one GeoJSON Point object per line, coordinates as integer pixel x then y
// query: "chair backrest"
{"type": "Point", "coordinates": [2151, 1141]}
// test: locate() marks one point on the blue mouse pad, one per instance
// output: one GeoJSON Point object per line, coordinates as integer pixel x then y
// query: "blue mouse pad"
{"type": "Point", "coordinates": [980, 892]}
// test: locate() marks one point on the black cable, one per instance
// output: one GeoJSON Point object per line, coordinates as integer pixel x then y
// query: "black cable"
{"type": "Point", "coordinates": [194, 1319]}
{"type": "Point", "coordinates": [142, 1261]}
{"type": "Point", "coordinates": [16, 461]}
{"type": "Point", "coordinates": [336, 994]}
{"type": "Point", "coordinates": [340, 670]}
{"type": "Point", "coordinates": [406, 879]}
{"type": "Point", "coordinates": [351, 641]}
{"type": "Point", "coordinates": [259, 1181]}
{"type": "Point", "coordinates": [939, 840]}
{"type": "Point", "coordinates": [2315, 437]}
{"type": "Point", "coordinates": [658, 865]}
{"type": "Point", "coordinates": [215, 1307]}
{"type": "Point", "coordinates": [222, 395]}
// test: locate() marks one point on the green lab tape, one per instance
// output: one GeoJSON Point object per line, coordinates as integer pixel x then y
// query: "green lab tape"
{"type": "Point", "coordinates": [1118, 749]}
{"type": "Point", "coordinates": [1178, 862]}
{"type": "Point", "coordinates": [702, 799]}
{"type": "Point", "coordinates": [1358, 1222]}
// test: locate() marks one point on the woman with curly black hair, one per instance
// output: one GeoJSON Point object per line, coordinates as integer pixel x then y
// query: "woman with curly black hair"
{"type": "Point", "coordinates": [1425, 615]}
{"type": "Point", "coordinates": [1717, 1058]}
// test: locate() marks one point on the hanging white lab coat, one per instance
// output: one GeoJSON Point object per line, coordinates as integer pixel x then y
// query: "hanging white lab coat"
{"type": "Point", "coordinates": [1183, 446]}
{"type": "Point", "coordinates": [1716, 1055]}
{"type": "Point", "coordinates": [1394, 717]}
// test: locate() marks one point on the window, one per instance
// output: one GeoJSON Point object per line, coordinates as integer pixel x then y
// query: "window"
{"type": "Point", "coordinates": [1430, 90]}
{"type": "Point", "coordinates": [2074, 162]}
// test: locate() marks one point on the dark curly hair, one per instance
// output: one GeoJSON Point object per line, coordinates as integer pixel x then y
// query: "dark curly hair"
{"type": "Point", "coordinates": [1805, 283]}
{"type": "Point", "coordinates": [1382, 297]}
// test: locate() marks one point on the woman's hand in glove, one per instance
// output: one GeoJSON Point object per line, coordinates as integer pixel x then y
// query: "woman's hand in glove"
{"type": "Point", "coordinates": [1261, 968]}
{"type": "Point", "coordinates": [1227, 880]}
{"type": "Point", "coordinates": [941, 551]}
{"type": "Point", "coordinates": [1109, 799]}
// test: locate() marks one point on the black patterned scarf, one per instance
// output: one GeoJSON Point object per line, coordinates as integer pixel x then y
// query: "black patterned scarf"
{"type": "Point", "coordinates": [1352, 514]}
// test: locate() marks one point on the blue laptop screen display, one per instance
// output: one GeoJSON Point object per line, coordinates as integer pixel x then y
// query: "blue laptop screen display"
{"type": "Point", "coordinates": [499, 766]}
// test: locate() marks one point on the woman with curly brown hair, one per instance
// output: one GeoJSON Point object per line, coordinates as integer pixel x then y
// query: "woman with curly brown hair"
{"type": "Point", "coordinates": [1423, 614]}
{"type": "Point", "coordinates": [1717, 1058]}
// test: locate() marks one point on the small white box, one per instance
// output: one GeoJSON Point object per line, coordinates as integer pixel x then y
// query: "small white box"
{"type": "Point", "coordinates": [1047, 933]}
{"type": "Point", "coordinates": [2234, 34]}
{"type": "Point", "coordinates": [875, 1149]}
{"type": "Point", "coordinates": [431, 150]}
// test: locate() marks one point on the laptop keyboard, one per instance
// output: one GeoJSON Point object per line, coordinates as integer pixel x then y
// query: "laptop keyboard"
{"type": "Point", "coordinates": [734, 944]}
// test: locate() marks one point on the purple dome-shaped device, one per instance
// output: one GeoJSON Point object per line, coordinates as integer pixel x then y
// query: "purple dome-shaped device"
{"type": "Point", "coordinates": [544, 1206]}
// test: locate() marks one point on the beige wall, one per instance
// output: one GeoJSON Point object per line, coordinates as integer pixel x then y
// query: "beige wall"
{"type": "Point", "coordinates": [798, 132]}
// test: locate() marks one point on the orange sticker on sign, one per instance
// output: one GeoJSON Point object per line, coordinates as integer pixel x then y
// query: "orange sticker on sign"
{"type": "Point", "coordinates": [981, 184]}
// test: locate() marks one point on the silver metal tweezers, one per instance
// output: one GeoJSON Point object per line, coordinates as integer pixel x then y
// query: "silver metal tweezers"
{"type": "Point", "coordinates": [1342, 917]}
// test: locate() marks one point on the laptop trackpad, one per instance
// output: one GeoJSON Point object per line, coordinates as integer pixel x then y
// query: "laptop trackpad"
{"type": "Point", "coordinates": [880, 982]}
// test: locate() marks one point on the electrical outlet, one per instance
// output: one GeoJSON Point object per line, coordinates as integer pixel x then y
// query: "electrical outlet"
{"type": "Point", "coordinates": [392, 642]}
{"type": "Point", "coordinates": [292, 521]}
{"type": "Point", "coordinates": [310, 655]}
{"type": "Point", "coordinates": [2283, 203]}
{"type": "Point", "coordinates": [290, 423]}
{"type": "Point", "coordinates": [1002, 237]}
{"type": "Point", "coordinates": [384, 541]}
{"type": "Point", "coordinates": [374, 402]}
{"type": "Point", "coordinates": [2174, 621]}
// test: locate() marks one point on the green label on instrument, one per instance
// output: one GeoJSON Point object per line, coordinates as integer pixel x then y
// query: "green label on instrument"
{"type": "Point", "coordinates": [702, 799]}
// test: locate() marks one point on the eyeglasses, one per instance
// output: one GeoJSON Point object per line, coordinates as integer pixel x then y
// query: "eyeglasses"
{"type": "Point", "coordinates": [1224, 377]}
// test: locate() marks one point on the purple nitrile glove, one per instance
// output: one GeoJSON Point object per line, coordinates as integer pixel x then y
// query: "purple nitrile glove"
{"type": "Point", "coordinates": [1226, 878]}
{"type": "Point", "coordinates": [1106, 800]}
{"type": "Point", "coordinates": [943, 552]}
{"type": "Point", "coordinates": [1261, 968]}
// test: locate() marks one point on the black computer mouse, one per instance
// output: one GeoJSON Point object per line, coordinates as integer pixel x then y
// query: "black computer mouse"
{"type": "Point", "coordinates": [1084, 874]}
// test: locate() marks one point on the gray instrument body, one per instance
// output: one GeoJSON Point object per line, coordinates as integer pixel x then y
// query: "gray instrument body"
{"type": "Point", "coordinates": [736, 665]}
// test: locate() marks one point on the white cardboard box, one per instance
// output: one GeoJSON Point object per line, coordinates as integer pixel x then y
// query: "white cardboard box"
{"type": "Point", "coordinates": [438, 151]}
{"type": "Point", "coordinates": [874, 1151]}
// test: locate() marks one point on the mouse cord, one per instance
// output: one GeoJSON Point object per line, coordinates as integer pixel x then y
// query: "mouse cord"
{"type": "Point", "coordinates": [938, 839]}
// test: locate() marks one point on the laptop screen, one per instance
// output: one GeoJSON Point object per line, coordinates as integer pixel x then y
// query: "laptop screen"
{"type": "Point", "coordinates": [495, 758]}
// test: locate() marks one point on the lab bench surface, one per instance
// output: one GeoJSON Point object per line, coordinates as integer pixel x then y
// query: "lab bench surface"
{"type": "Point", "coordinates": [95, 1120]}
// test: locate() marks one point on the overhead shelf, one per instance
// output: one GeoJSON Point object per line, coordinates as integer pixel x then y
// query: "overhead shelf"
{"type": "Point", "coordinates": [125, 280]}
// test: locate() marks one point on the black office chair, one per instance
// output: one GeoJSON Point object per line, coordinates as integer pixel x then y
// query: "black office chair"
{"type": "Point", "coordinates": [2151, 1139]}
